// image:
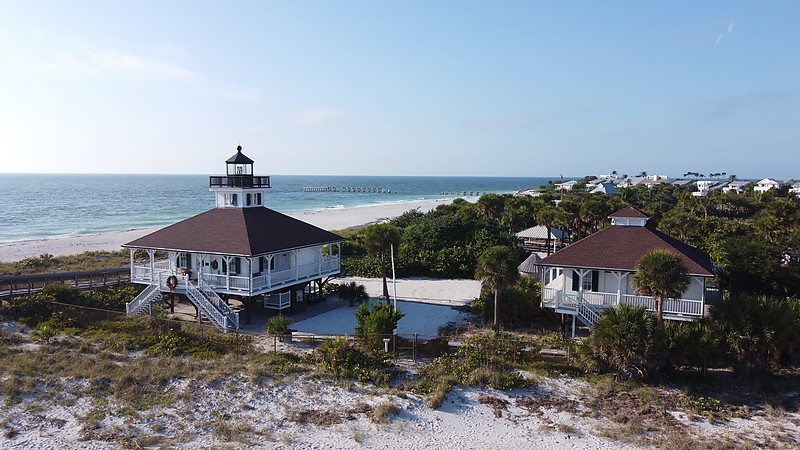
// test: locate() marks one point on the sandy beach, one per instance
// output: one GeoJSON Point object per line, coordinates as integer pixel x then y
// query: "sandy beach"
{"type": "Point", "coordinates": [331, 219]}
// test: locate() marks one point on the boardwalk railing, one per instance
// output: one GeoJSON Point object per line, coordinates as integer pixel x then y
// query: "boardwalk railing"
{"type": "Point", "coordinates": [15, 285]}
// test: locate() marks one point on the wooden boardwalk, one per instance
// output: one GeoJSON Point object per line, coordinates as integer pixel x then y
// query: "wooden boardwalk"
{"type": "Point", "coordinates": [16, 285]}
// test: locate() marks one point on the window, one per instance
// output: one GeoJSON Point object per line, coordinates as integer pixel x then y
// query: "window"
{"type": "Point", "coordinates": [590, 282]}
{"type": "Point", "coordinates": [258, 198]}
{"type": "Point", "coordinates": [248, 199]}
{"type": "Point", "coordinates": [234, 199]}
{"type": "Point", "coordinates": [235, 266]}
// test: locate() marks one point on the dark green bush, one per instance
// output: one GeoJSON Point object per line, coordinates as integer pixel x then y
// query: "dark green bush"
{"type": "Point", "coordinates": [337, 358]}
{"type": "Point", "coordinates": [376, 322]}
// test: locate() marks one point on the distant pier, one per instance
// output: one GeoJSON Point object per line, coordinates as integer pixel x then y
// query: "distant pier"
{"type": "Point", "coordinates": [378, 190]}
{"type": "Point", "coordinates": [364, 190]}
{"type": "Point", "coordinates": [463, 193]}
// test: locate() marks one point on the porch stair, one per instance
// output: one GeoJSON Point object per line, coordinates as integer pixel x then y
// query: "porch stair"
{"type": "Point", "coordinates": [212, 306]}
{"type": "Point", "coordinates": [141, 303]}
{"type": "Point", "coordinates": [587, 313]}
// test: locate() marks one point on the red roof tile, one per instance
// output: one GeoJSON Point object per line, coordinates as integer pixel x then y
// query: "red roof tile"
{"type": "Point", "coordinates": [621, 248]}
{"type": "Point", "coordinates": [236, 231]}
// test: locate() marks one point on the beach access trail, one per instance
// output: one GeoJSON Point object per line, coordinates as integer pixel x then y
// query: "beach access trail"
{"type": "Point", "coordinates": [329, 219]}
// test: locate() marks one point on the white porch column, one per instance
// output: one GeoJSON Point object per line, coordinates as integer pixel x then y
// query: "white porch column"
{"type": "Point", "coordinates": [619, 276]}
{"type": "Point", "coordinates": [581, 274]}
{"type": "Point", "coordinates": [132, 252]}
{"type": "Point", "coordinates": [201, 262]}
{"type": "Point", "coordinates": [319, 261]}
{"type": "Point", "coordinates": [702, 296]}
{"type": "Point", "coordinates": [296, 266]}
{"type": "Point", "coordinates": [228, 260]}
{"type": "Point", "coordinates": [563, 285]}
{"type": "Point", "coordinates": [152, 254]}
{"type": "Point", "coordinates": [250, 282]}
{"type": "Point", "coordinates": [269, 270]}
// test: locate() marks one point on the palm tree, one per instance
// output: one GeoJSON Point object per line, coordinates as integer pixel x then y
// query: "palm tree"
{"type": "Point", "coordinates": [547, 216]}
{"type": "Point", "coordinates": [661, 274]}
{"type": "Point", "coordinates": [378, 239]}
{"type": "Point", "coordinates": [496, 270]}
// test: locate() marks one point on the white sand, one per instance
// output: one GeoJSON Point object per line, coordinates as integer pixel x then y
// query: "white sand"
{"type": "Point", "coordinates": [329, 219]}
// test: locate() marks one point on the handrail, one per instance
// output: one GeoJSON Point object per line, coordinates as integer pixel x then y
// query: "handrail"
{"type": "Point", "coordinates": [144, 298]}
{"type": "Point", "coordinates": [217, 301]}
{"type": "Point", "coordinates": [198, 298]}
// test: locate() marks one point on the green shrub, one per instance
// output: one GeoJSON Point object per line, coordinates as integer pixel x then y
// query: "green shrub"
{"type": "Point", "coordinates": [353, 292]}
{"type": "Point", "coordinates": [629, 341]}
{"type": "Point", "coordinates": [278, 325]}
{"type": "Point", "coordinates": [29, 309]}
{"type": "Point", "coordinates": [336, 357]}
{"type": "Point", "coordinates": [482, 360]}
{"type": "Point", "coordinates": [375, 323]}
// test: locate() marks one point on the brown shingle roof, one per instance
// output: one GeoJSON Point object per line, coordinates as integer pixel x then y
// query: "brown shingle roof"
{"type": "Point", "coordinates": [621, 248]}
{"type": "Point", "coordinates": [629, 211]}
{"type": "Point", "coordinates": [236, 231]}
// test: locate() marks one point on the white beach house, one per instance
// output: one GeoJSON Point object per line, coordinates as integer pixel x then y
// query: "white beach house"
{"type": "Point", "coordinates": [595, 273]}
{"type": "Point", "coordinates": [239, 250]}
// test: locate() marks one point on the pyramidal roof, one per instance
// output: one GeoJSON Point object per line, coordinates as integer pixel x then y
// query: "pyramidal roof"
{"type": "Point", "coordinates": [631, 212]}
{"type": "Point", "coordinates": [236, 231]}
{"type": "Point", "coordinates": [621, 247]}
{"type": "Point", "coordinates": [239, 157]}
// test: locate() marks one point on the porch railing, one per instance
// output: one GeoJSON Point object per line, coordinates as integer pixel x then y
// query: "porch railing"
{"type": "Point", "coordinates": [278, 301]}
{"type": "Point", "coordinates": [555, 298]}
{"type": "Point", "coordinates": [236, 283]}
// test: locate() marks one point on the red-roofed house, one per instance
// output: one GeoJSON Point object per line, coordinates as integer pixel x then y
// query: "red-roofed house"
{"type": "Point", "coordinates": [596, 272]}
{"type": "Point", "coordinates": [239, 249]}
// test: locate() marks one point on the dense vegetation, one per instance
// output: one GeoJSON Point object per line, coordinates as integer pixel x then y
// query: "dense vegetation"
{"type": "Point", "coordinates": [754, 236]}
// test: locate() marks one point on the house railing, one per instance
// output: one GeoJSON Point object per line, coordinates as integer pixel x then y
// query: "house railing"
{"type": "Point", "coordinates": [237, 283]}
{"type": "Point", "coordinates": [149, 295]}
{"type": "Point", "coordinates": [278, 301]}
{"type": "Point", "coordinates": [557, 299]}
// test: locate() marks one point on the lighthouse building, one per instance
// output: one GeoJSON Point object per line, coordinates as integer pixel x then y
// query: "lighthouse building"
{"type": "Point", "coordinates": [240, 249]}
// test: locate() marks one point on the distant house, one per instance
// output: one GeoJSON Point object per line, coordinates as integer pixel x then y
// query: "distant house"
{"type": "Point", "coordinates": [596, 272]}
{"type": "Point", "coordinates": [606, 188]}
{"type": "Point", "coordinates": [534, 239]}
{"type": "Point", "coordinates": [795, 189]}
{"type": "Point", "coordinates": [566, 186]}
{"type": "Point", "coordinates": [736, 186]}
{"type": "Point", "coordinates": [704, 186]}
{"type": "Point", "coordinates": [239, 250]}
{"type": "Point", "coordinates": [771, 183]}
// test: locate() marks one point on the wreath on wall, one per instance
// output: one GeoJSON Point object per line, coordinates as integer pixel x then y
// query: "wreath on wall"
{"type": "Point", "coordinates": [214, 264]}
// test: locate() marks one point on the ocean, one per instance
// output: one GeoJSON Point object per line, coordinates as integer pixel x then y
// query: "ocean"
{"type": "Point", "coordinates": [40, 206]}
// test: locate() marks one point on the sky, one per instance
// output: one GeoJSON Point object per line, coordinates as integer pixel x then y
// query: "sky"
{"type": "Point", "coordinates": [442, 88]}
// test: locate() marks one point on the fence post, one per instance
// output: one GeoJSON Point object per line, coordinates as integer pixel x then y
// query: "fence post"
{"type": "Point", "coordinates": [414, 347]}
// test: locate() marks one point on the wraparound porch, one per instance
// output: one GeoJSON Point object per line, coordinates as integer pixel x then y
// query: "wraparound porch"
{"type": "Point", "coordinates": [568, 302]}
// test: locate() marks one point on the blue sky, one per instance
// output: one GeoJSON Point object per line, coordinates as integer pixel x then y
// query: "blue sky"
{"type": "Point", "coordinates": [401, 88]}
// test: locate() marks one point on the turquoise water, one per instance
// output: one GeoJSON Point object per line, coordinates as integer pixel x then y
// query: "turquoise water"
{"type": "Point", "coordinates": [37, 206]}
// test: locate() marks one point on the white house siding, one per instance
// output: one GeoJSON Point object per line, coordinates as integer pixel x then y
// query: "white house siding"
{"type": "Point", "coordinates": [607, 282]}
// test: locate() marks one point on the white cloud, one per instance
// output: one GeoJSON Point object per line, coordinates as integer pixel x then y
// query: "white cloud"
{"type": "Point", "coordinates": [112, 61]}
{"type": "Point", "coordinates": [317, 116]}
{"type": "Point", "coordinates": [722, 35]}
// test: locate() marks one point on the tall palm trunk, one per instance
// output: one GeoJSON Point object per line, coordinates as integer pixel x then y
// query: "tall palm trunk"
{"type": "Point", "coordinates": [659, 308]}
{"type": "Point", "coordinates": [496, 303]}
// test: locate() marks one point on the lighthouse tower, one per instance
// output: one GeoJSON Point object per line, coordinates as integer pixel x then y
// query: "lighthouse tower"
{"type": "Point", "coordinates": [239, 188]}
